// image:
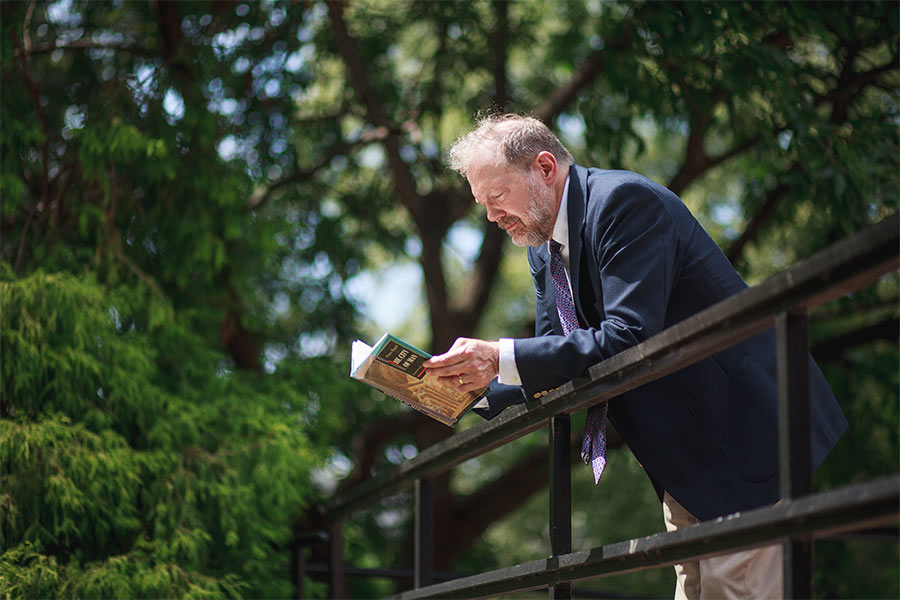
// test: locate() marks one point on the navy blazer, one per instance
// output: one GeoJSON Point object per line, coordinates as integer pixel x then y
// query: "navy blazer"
{"type": "Point", "coordinates": [639, 263]}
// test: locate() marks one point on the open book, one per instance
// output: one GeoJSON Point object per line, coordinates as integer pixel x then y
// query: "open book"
{"type": "Point", "coordinates": [395, 367]}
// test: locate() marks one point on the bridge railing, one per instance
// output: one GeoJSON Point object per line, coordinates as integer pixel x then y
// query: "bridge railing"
{"type": "Point", "coordinates": [782, 301]}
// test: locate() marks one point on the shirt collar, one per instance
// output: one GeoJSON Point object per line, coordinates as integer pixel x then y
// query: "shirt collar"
{"type": "Point", "coordinates": [561, 227]}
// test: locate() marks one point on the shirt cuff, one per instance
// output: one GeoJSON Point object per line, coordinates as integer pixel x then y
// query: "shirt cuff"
{"type": "Point", "coordinates": [509, 373]}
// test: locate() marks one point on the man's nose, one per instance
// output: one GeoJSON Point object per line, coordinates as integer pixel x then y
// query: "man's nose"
{"type": "Point", "coordinates": [494, 214]}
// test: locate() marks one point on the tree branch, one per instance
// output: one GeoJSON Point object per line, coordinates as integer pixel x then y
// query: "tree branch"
{"type": "Point", "coordinates": [470, 305]}
{"type": "Point", "coordinates": [84, 44]}
{"type": "Point", "coordinates": [565, 94]}
{"type": "Point", "coordinates": [499, 42]}
{"type": "Point", "coordinates": [346, 46]}
{"type": "Point", "coordinates": [301, 175]}
{"type": "Point", "coordinates": [698, 162]}
{"type": "Point", "coordinates": [367, 442]}
{"type": "Point", "coordinates": [581, 78]}
{"type": "Point", "coordinates": [833, 349]}
{"type": "Point", "coordinates": [756, 223]}
{"type": "Point", "coordinates": [475, 512]}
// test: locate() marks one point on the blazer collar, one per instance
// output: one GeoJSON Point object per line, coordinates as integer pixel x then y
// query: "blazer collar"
{"type": "Point", "coordinates": [576, 211]}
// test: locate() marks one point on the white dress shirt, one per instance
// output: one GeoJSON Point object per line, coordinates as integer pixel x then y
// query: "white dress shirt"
{"type": "Point", "coordinates": [509, 372]}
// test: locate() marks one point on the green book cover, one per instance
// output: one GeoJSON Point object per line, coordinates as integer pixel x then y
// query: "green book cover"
{"type": "Point", "coordinates": [394, 367]}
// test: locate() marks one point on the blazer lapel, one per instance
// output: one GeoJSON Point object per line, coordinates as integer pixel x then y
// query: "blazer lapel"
{"type": "Point", "coordinates": [576, 201]}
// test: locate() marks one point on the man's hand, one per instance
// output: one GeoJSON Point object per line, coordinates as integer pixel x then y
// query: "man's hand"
{"type": "Point", "coordinates": [468, 365]}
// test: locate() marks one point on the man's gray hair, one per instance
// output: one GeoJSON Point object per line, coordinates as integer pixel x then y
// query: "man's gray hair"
{"type": "Point", "coordinates": [513, 139]}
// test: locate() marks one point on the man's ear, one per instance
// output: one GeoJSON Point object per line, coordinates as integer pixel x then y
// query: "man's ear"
{"type": "Point", "coordinates": [546, 165]}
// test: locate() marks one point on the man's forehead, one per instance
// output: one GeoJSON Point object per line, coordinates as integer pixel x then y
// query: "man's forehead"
{"type": "Point", "coordinates": [487, 177]}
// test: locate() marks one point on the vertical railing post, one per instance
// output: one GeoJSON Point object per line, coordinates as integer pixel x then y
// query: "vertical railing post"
{"type": "Point", "coordinates": [423, 568]}
{"type": "Point", "coordinates": [794, 441]}
{"type": "Point", "coordinates": [336, 582]}
{"type": "Point", "coordinates": [560, 496]}
{"type": "Point", "coordinates": [298, 559]}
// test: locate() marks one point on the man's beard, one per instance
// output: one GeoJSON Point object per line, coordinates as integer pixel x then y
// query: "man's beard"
{"type": "Point", "coordinates": [541, 214]}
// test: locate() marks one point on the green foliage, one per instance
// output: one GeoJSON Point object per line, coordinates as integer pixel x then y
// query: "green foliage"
{"type": "Point", "coordinates": [128, 472]}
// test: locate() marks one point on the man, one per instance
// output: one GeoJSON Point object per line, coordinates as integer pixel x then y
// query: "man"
{"type": "Point", "coordinates": [617, 258]}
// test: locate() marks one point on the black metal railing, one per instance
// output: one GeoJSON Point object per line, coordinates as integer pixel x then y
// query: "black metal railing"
{"type": "Point", "coordinates": [782, 301]}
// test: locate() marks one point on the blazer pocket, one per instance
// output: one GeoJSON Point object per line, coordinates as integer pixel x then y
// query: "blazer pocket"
{"type": "Point", "coordinates": [739, 413]}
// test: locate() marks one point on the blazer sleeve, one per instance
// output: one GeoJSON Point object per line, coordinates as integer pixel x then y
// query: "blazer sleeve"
{"type": "Point", "coordinates": [635, 250]}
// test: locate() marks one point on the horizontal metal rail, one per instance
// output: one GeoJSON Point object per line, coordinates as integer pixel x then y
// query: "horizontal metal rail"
{"type": "Point", "coordinates": [869, 504]}
{"type": "Point", "coordinates": [833, 272]}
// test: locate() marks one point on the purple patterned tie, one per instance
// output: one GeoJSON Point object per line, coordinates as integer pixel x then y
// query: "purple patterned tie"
{"type": "Point", "coordinates": [593, 447]}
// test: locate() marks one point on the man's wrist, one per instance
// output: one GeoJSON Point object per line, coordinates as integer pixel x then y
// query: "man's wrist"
{"type": "Point", "coordinates": [508, 371]}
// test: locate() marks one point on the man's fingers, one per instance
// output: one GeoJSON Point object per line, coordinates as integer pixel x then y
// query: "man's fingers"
{"type": "Point", "coordinates": [442, 360]}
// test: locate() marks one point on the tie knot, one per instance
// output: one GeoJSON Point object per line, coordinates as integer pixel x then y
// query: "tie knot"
{"type": "Point", "coordinates": [555, 246]}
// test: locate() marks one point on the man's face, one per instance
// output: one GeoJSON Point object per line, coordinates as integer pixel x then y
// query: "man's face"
{"type": "Point", "coordinates": [520, 203]}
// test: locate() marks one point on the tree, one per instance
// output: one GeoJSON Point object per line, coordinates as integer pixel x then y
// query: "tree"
{"type": "Point", "coordinates": [150, 446]}
{"type": "Point", "coordinates": [300, 144]}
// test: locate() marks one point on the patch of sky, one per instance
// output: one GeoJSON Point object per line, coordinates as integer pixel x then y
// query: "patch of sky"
{"type": "Point", "coordinates": [76, 116]}
{"type": "Point", "coordinates": [390, 518]}
{"type": "Point", "coordinates": [277, 16]}
{"type": "Point", "coordinates": [225, 42]}
{"type": "Point", "coordinates": [413, 247]}
{"type": "Point", "coordinates": [228, 107]}
{"type": "Point", "coordinates": [294, 61]}
{"type": "Point", "coordinates": [304, 34]}
{"type": "Point", "coordinates": [330, 208]}
{"type": "Point", "coordinates": [173, 105]}
{"type": "Point", "coordinates": [430, 148]}
{"type": "Point", "coordinates": [114, 315]}
{"type": "Point", "coordinates": [725, 214]}
{"type": "Point", "coordinates": [408, 153]}
{"type": "Point", "coordinates": [464, 241]}
{"type": "Point", "coordinates": [227, 147]}
{"type": "Point", "coordinates": [142, 82]}
{"type": "Point", "coordinates": [277, 147]}
{"type": "Point", "coordinates": [372, 156]}
{"type": "Point", "coordinates": [336, 467]}
{"type": "Point", "coordinates": [60, 13]}
{"type": "Point", "coordinates": [272, 88]}
{"type": "Point", "coordinates": [388, 296]}
{"type": "Point", "coordinates": [784, 139]}
{"type": "Point", "coordinates": [256, 34]}
{"type": "Point", "coordinates": [274, 354]}
{"type": "Point", "coordinates": [571, 127]}
{"type": "Point", "coordinates": [316, 344]}
{"type": "Point", "coordinates": [241, 65]}
{"type": "Point", "coordinates": [339, 163]}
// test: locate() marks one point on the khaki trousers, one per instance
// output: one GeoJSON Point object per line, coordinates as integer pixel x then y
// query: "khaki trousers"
{"type": "Point", "coordinates": [746, 575]}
